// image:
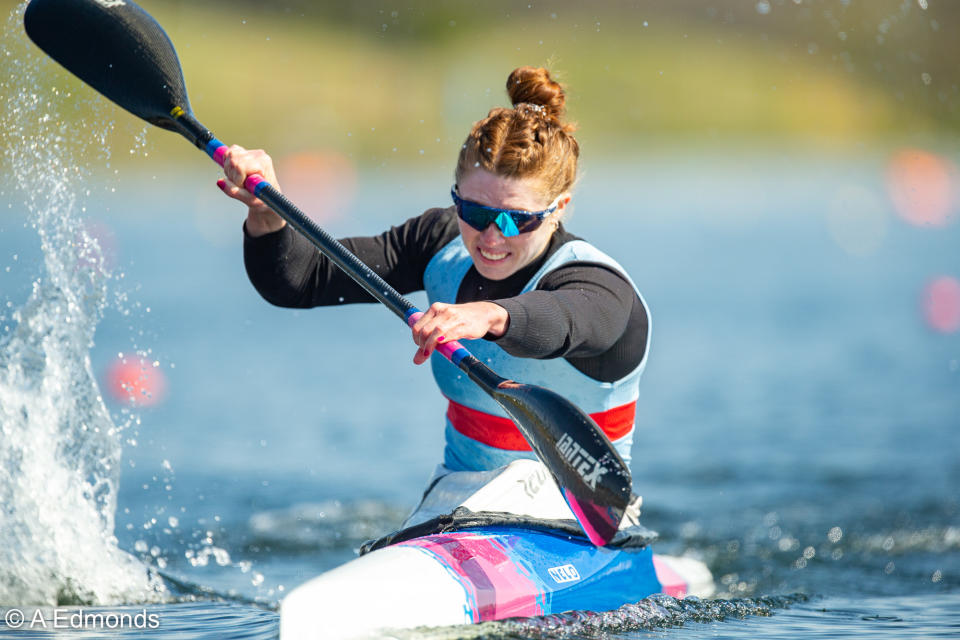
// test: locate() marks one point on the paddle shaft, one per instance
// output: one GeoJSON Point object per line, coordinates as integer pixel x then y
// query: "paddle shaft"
{"type": "Point", "coordinates": [335, 251]}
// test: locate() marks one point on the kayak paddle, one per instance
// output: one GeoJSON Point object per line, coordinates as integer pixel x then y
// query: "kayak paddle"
{"type": "Point", "coordinates": [121, 51]}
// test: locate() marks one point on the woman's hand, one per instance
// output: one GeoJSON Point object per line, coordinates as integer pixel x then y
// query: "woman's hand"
{"type": "Point", "coordinates": [448, 322]}
{"type": "Point", "coordinates": [238, 163]}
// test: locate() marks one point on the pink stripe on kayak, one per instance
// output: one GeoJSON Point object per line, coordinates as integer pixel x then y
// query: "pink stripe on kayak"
{"type": "Point", "coordinates": [671, 582]}
{"type": "Point", "coordinates": [498, 587]}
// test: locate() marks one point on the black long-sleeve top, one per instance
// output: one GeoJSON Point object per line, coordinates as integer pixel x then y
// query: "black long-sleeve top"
{"type": "Point", "coordinates": [585, 312]}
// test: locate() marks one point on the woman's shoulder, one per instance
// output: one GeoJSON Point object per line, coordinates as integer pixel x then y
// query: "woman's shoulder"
{"type": "Point", "coordinates": [567, 249]}
{"type": "Point", "coordinates": [571, 258]}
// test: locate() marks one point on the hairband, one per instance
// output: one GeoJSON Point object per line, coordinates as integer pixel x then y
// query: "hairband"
{"type": "Point", "coordinates": [539, 109]}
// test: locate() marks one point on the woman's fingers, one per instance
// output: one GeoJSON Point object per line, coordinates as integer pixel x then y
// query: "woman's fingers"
{"type": "Point", "coordinates": [431, 341]}
{"type": "Point", "coordinates": [423, 353]}
{"type": "Point", "coordinates": [448, 322]}
{"type": "Point", "coordinates": [238, 165]}
{"type": "Point", "coordinates": [425, 321]}
{"type": "Point", "coordinates": [420, 357]}
{"type": "Point", "coordinates": [237, 193]}
{"type": "Point", "coordinates": [427, 330]}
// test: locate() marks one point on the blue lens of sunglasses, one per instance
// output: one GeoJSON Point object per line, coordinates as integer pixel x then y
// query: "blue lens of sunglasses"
{"type": "Point", "coordinates": [511, 222]}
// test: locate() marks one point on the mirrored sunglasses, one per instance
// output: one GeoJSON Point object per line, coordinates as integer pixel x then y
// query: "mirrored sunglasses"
{"type": "Point", "coordinates": [511, 222]}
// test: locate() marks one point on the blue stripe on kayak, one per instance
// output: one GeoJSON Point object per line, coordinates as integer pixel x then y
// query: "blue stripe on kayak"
{"type": "Point", "coordinates": [608, 577]}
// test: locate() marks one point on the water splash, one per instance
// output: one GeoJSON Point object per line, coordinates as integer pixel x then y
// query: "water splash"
{"type": "Point", "coordinates": [60, 451]}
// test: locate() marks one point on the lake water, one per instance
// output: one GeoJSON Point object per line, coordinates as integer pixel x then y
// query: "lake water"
{"type": "Point", "coordinates": [798, 422]}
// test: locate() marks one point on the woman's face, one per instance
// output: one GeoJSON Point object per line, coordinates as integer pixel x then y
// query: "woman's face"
{"type": "Point", "coordinates": [495, 256]}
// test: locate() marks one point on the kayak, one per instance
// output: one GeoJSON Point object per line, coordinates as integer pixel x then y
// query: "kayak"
{"type": "Point", "coordinates": [485, 546]}
{"type": "Point", "coordinates": [477, 575]}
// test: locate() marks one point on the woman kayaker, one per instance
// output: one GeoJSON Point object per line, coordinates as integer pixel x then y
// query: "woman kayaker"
{"type": "Point", "coordinates": [500, 269]}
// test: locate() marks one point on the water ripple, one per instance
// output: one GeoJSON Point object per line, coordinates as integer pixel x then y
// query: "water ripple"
{"type": "Point", "coordinates": [182, 621]}
{"type": "Point", "coordinates": [656, 612]}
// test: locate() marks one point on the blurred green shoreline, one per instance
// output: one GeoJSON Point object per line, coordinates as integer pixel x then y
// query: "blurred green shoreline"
{"type": "Point", "coordinates": [388, 85]}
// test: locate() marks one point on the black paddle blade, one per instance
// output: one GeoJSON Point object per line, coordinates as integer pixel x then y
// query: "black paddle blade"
{"type": "Point", "coordinates": [118, 49]}
{"type": "Point", "coordinates": [594, 479]}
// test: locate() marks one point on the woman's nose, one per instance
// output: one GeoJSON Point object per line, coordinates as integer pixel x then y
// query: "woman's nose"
{"type": "Point", "coordinates": [492, 233]}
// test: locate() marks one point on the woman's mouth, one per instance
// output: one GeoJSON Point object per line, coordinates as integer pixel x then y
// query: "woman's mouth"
{"type": "Point", "coordinates": [493, 256]}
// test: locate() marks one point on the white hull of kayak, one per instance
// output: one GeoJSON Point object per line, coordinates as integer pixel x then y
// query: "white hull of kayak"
{"type": "Point", "coordinates": [474, 576]}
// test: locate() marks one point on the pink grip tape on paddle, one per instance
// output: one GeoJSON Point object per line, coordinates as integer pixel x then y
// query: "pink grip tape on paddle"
{"type": "Point", "coordinates": [250, 184]}
{"type": "Point", "coordinates": [447, 349]}
{"type": "Point", "coordinates": [219, 153]}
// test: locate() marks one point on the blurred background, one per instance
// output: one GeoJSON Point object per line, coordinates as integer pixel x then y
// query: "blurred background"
{"type": "Point", "coordinates": [388, 84]}
{"type": "Point", "coordinates": [779, 176]}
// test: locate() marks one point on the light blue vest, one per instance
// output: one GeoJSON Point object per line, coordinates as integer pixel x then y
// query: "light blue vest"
{"type": "Point", "coordinates": [442, 279]}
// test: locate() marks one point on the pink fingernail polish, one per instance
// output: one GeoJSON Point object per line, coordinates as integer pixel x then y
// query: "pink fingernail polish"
{"type": "Point", "coordinates": [441, 339]}
{"type": "Point", "coordinates": [222, 184]}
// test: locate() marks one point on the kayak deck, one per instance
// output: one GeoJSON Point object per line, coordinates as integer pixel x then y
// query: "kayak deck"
{"type": "Point", "coordinates": [472, 576]}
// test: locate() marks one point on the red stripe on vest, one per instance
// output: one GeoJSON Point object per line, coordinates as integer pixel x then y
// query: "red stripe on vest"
{"type": "Point", "coordinates": [503, 434]}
